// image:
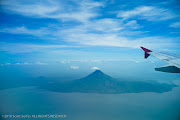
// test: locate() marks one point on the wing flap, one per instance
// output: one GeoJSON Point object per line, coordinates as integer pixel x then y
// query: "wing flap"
{"type": "Point", "coordinates": [168, 68]}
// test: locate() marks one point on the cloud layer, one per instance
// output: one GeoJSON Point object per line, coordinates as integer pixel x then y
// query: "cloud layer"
{"type": "Point", "coordinates": [87, 23]}
{"type": "Point", "coordinates": [54, 9]}
{"type": "Point", "coordinates": [149, 13]}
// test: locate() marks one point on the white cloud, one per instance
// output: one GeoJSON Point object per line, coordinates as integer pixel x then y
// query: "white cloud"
{"type": "Point", "coordinates": [150, 13]}
{"type": "Point", "coordinates": [65, 61]}
{"type": "Point", "coordinates": [25, 48]}
{"type": "Point", "coordinates": [24, 63]}
{"type": "Point", "coordinates": [40, 63]}
{"type": "Point", "coordinates": [82, 36]}
{"type": "Point", "coordinates": [175, 25]}
{"type": "Point", "coordinates": [23, 30]}
{"type": "Point", "coordinates": [113, 32]}
{"type": "Point", "coordinates": [132, 24]}
{"type": "Point", "coordinates": [136, 11]}
{"type": "Point", "coordinates": [137, 61]}
{"type": "Point", "coordinates": [70, 61]}
{"type": "Point", "coordinates": [79, 60]}
{"type": "Point", "coordinates": [55, 9]}
{"type": "Point", "coordinates": [95, 68]}
{"type": "Point", "coordinates": [96, 60]}
{"type": "Point", "coordinates": [119, 40]}
{"type": "Point", "coordinates": [105, 25]}
{"type": "Point", "coordinates": [99, 32]}
{"type": "Point", "coordinates": [74, 67]}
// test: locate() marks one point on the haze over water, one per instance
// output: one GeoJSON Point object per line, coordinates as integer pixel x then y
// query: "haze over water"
{"type": "Point", "coordinates": [80, 106]}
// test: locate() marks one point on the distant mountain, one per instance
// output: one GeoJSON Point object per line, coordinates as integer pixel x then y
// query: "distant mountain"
{"type": "Point", "coordinates": [99, 82]}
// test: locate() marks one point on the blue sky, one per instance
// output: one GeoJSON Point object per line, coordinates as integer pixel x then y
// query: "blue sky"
{"type": "Point", "coordinates": [48, 32]}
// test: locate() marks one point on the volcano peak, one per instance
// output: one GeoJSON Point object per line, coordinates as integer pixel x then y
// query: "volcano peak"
{"type": "Point", "coordinates": [97, 72]}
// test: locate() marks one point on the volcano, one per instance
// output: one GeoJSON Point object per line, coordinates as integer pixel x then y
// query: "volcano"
{"type": "Point", "coordinates": [99, 82]}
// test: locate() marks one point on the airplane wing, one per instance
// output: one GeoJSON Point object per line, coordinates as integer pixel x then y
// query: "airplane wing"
{"type": "Point", "coordinates": [173, 61]}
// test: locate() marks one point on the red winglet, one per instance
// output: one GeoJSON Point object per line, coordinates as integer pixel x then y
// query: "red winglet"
{"type": "Point", "coordinates": [146, 52]}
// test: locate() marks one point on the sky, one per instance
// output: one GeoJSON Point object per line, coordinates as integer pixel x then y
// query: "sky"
{"type": "Point", "coordinates": [53, 37]}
